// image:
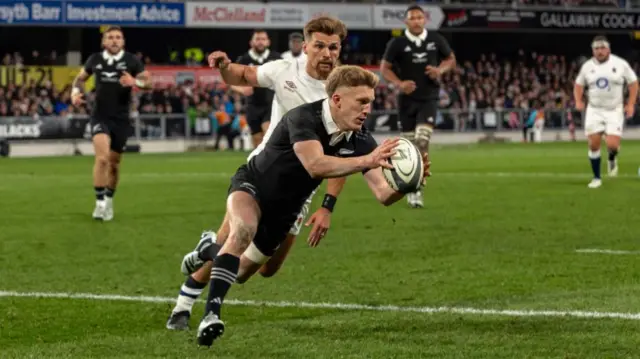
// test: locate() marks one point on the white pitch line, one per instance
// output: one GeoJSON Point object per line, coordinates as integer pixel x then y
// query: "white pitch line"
{"type": "Point", "coordinates": [341, 306]}
{"type": "Point", "coordinates": [605, 251]}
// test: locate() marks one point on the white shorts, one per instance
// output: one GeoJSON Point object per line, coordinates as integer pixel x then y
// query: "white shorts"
{"type": "Point", "coordinates": [599, 120]}
{"type": "Point", "coordinates": [304, 212]}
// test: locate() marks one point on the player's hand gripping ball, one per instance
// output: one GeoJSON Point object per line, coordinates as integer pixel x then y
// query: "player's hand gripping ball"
{"type": "Point", "coordinates": [408, 171]}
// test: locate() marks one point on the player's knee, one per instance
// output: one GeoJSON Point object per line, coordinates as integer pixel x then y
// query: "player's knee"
{"type": "Point", "coordinates": [102, 160]}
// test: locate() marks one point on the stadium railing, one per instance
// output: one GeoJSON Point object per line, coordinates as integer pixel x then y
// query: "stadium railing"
{"type": "Point", "coordinates": [174, 126]}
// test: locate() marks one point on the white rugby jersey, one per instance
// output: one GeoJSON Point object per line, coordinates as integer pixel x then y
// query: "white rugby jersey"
{"type": "Point", "coordinates": [293, 87]}
{"type": "Point", "coordinates": [606, 81]}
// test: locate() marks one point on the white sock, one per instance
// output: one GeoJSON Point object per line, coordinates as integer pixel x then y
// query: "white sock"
{"type": "Point", "coordinates": [189, 293]}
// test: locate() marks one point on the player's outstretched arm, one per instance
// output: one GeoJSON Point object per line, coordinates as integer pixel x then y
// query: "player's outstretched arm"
{"type": "Point", "coordinates": [312, 157]}
{"type": "Point", "coordinates": [233, 74]}
{"type": "Point", "coordinates": [380, 188]}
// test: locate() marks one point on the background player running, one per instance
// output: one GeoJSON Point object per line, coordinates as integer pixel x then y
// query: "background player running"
{"type": "Point", "coordinates": [258, 98]}
{"type": "Point", "coordinates": [605, 75]}
{"type": "Point", "coordinates": [414, 63]}
{"type": "Point", "coordinates": [116, 72]}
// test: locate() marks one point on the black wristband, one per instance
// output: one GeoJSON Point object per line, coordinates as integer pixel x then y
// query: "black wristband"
{"type": "Point", "coordinates": [329, 202]}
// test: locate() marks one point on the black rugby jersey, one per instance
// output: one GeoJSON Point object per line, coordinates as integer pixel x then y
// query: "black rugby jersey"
{"type": "Point", "coordinates": [280, 175]}
{"type": "Point", "coordinates": [409, 60]}
{"type": "Point", "coordinates": [113, 101]}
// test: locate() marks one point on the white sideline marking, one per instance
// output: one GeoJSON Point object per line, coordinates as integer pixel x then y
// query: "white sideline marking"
{"type": "Point", "coordinates": [341, 306]}
{"type": "Point", "coordinates": [605, 251]}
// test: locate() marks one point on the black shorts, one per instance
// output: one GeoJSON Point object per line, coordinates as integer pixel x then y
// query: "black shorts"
{"type": "Point", "coordinates": [276, 217]}
{"type": "Point", "coordinates": [256, 116]}
{"type": "Point", "coordinates": [412, 112]}
{"type": "Point", "coordinates": [117, 130]}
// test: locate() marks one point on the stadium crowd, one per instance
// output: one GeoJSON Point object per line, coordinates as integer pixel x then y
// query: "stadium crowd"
{"type": "Point", "coordinates": [513, 84]}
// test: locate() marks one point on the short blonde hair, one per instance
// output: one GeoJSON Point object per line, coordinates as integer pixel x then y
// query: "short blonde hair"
{"type": "Point", "coordinates": [325, 25]}
{"type": "Point", "coordinates": [350, 76]}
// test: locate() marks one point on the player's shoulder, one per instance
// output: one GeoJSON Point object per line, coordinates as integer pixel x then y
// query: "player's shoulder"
{"type": "Point", "coordinates": [588, 65]}
{"type": "Point", "coordinates": [619, 60]}
{"type": "Point", "coordinates": [130, 57]}
{"type": "Point", "coordinates": [434, 35]}
{"type": "Point", "coordinates": [310, 110]}
{"type": "Point", "coordinates": [94, 58]}
{"type": "Point", "coordinates": [399, 41]}
{"type": "Point", "coordinates": [282, 65]}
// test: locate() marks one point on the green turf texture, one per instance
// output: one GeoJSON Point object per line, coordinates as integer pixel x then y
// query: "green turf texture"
{"type": "Point", "coordinates": [499, 230]}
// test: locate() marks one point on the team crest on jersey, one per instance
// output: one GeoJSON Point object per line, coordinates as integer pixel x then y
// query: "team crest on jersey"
{"type": "Point", "coordinates": [602, 83]}
{"type": "Point", "coordinates": [290, 84]}
{"type": "Point", "coordinates": [614, 70]}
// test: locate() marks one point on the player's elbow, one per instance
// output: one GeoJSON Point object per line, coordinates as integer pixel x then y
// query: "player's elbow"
{"type": "Point", "coordinates": [386, 196]}
{"type": "Point", "coordinates": [386, 201]}
{"type": "Point", "coordinates": [315, 171]}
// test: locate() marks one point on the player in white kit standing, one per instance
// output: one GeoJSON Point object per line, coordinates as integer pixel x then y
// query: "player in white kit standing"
{"type": "Point", "coordinates": [295, 83]}
{"type": "Point", "coordinates": [605, 76]}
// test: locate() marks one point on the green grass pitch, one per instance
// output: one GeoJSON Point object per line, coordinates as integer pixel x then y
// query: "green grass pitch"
{"type": "Point", "coordinates": [500, 231]}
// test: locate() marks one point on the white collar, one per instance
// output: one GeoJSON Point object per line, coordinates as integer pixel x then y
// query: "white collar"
{"type": "Point", "coordinates": [330, 125]}
{"type": "Point", "coordinates": [260, 58]}
{"type": "Point", "coordinates": [416, 39]}
{"type": "Point", "coordinates": [111, 58]}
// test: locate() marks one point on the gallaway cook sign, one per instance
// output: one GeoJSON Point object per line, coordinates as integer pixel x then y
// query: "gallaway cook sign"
{"type": "Point", "coordinates": [589, 20]}
{"type": "Point", "coordinates": [462, 19]}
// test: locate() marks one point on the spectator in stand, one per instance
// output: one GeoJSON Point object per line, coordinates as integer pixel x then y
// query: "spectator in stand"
{"type": "Point", "coordinates": [223, 126]}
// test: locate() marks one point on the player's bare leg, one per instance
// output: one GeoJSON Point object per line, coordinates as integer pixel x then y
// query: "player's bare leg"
{"type": "Point", "coordinates": [594, 158]}
{"type": "Point", "coordinates": [265, 126]}
{"type": "Point", "coordinates": [101, 144]}
{"type": "Point", "coordinates": [244, 216]}
{"type": "Point", "coordinates": [196, 265]}
{"type": "Point", "coordinates": [613, 147]}
{"type": "Point", "coordinates": [422, 140]}
{"type": "Point", "coordinates": [256, 138]}
{"type": "Point", "coordinates": [113, 173]}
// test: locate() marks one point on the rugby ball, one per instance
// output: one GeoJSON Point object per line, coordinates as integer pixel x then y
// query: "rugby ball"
{"type": "Point", "coordinates": [408, 169]}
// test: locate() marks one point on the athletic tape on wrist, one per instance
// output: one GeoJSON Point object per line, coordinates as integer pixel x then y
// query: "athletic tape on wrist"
{"type": "Point", "coordinates": [329, 202]}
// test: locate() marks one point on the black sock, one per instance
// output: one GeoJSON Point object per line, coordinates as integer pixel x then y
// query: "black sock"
{"type": "Point", "coordinates": [594, 157]}
{"type": "Point", "coordinates": [110, 192]}
{"type": "Point", "coordinates": [210, 253]}
{"type": "Point", "coordinates": [223, 275]}
{"type": "Point", "coordinates": [612, 155]}
{"type": "Point", "coordinates": [99, 193]}
{"type": "Point", "coordinates": [194, 284]}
